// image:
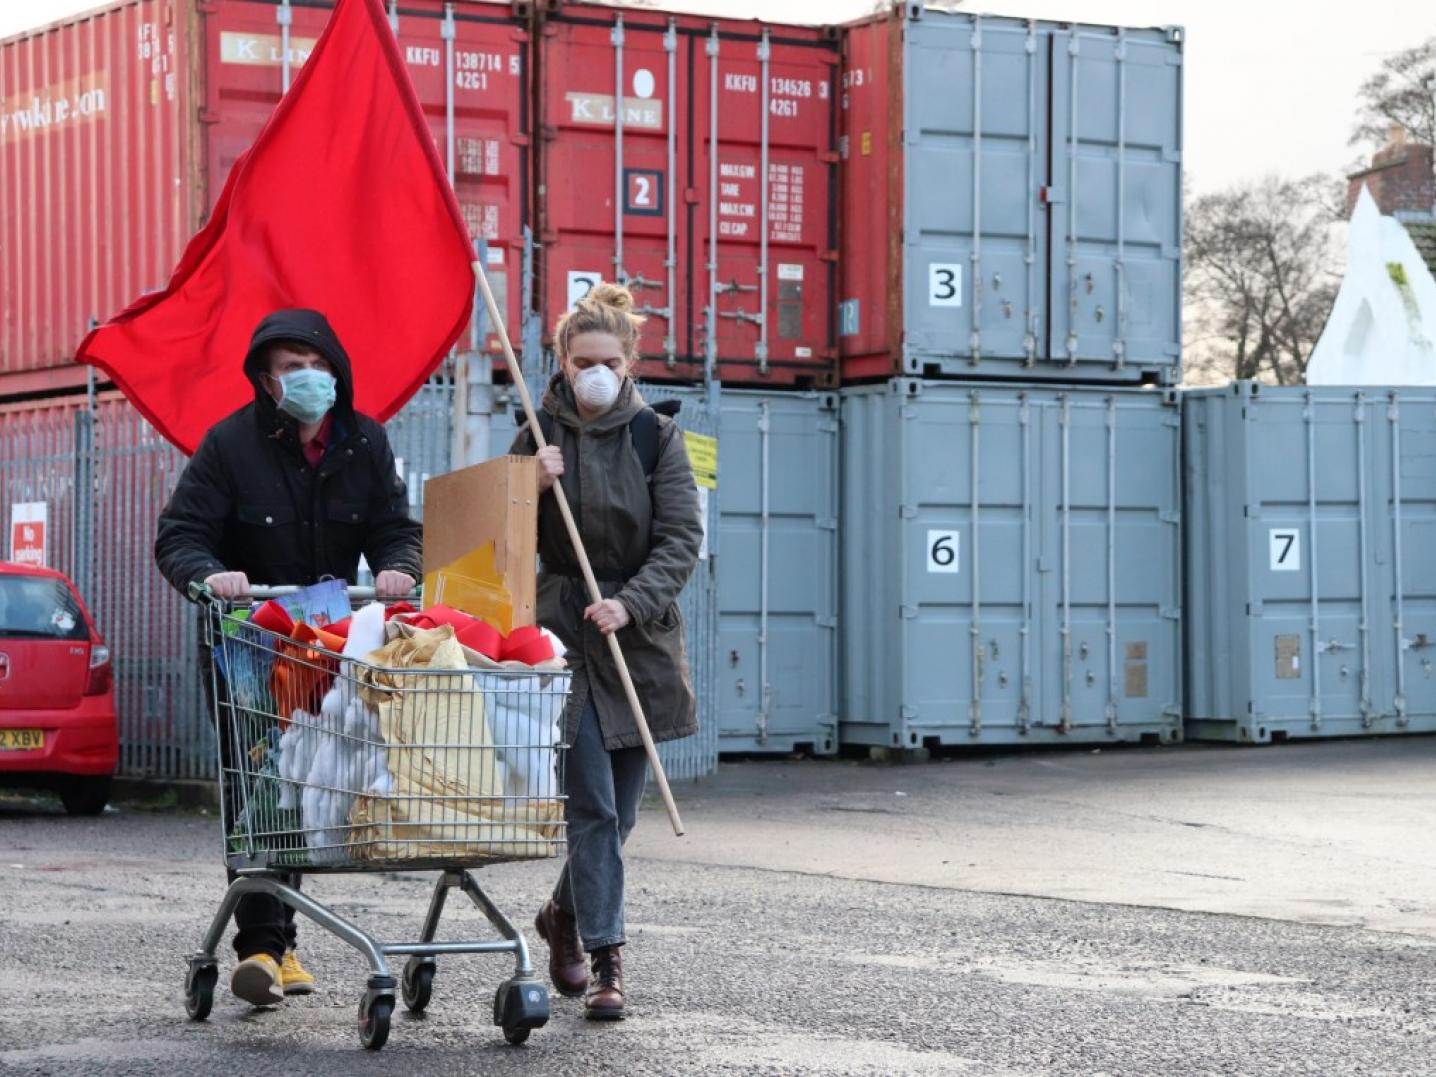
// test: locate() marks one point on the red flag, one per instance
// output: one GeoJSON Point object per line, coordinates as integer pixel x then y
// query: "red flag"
{"type": "Point", "coordinates": [340, 205]}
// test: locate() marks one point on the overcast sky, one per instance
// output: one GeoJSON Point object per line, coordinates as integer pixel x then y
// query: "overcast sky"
{"type": "Point", "coordinates": [1269, 83]}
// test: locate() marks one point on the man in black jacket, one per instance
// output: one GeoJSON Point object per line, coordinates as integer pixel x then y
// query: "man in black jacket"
{"type": "Point", "coordinates": [290, 489]}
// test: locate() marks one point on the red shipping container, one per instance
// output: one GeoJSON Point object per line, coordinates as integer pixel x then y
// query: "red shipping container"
{"type": "Point", "coordinates": [637, 192]}
{"type": "Point", "coordinates": [119, 127]}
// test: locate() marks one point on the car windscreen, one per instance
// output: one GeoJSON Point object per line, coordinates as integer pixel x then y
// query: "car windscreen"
{"type": "Point", "coordinates": [39, 607]}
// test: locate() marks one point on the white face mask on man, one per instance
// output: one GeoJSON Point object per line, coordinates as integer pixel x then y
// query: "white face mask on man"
{"type": "Point", "coordinates": [597, 388]}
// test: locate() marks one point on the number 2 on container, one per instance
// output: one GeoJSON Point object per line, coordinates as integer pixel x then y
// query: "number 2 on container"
{"type": "Point", "coordinates": [944, 551]}
{"type": "Point", "coordinates": [580, 283]}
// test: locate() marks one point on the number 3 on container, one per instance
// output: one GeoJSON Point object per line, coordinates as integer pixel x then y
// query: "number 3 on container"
{"type": "Point", "coordinates": [944, 284]}
{"type": "Point", "coordinates": [944, 549]}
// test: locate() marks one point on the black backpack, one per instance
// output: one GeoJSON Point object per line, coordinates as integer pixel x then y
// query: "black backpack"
{"type": "Point", "coordinates": [643, 428]}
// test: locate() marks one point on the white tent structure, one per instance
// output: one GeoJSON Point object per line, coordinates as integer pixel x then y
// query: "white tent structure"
{"type": "Point", "coordinates": [1382, 328]}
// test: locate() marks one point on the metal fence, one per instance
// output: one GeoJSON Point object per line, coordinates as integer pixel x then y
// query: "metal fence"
{"type": "Point", "coordinates": [105, 475]}
{"type": "Point", "coordinates": [126, 470]}
{"type": "Point", "coordinates": [696, 756]}
{"type": "Point", "coordinates": [421, 436]}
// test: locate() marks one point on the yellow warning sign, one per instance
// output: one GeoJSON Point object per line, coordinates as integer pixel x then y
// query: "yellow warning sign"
{"type": "Point", "coordinates": [703, 454]}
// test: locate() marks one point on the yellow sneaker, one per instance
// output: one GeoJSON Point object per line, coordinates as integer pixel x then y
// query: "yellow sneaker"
{"type": "Point", "coordinates": [256, 980]}
{"type": "Point", "coordinates": [293, 977]}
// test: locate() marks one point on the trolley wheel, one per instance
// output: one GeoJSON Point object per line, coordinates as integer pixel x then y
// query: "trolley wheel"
{"type": "Point", "coordinates": [374, 1016]}
{"type": "Point", "coordinates": [418, 983]}
{"type": "Point", "coordinates": [199, 990]}
{"type": "Point", "coordinates": [520, 1006]}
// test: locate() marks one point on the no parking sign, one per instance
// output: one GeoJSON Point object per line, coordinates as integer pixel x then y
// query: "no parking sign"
{"type": "Point", "coordinates": [28, 523]}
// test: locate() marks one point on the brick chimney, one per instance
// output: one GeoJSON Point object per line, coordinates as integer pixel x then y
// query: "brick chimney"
{"type": "Point", "coordinates": [1402, 178]}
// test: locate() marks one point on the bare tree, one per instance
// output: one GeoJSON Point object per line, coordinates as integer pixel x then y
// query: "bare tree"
{"type": "Point", "coordinates": [1400, 93]}
{"type": "Point", "coordinates": [1259, 279]}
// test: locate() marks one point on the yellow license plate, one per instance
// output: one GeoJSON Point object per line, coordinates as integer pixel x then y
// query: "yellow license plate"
{"type": "Point", "coordinates": [22, 740]}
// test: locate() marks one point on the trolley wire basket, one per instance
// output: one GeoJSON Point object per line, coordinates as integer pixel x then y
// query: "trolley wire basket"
{"type": "Point", "coordinates": [406, 759]}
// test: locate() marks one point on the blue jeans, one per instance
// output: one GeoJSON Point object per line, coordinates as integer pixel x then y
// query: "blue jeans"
{"type": "Point", "coordinates": [604, 790]}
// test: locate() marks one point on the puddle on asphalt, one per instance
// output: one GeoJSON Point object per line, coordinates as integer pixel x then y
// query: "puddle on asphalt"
{"type": "Point", "coordinates": [1150, 981]}
{"type": "Point", "coordinates": [1153, 981]}
{"type": "Point", "coordinates": [749, 1046]}
{"type": "Point", "coordinates": [1234, 990]}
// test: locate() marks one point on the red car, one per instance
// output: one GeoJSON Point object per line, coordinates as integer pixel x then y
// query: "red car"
{"type": "Point", "coordinates": [57, 696]}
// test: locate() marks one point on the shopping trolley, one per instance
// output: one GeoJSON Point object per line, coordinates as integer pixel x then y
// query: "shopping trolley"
{"type": "Point", "coordinates": [331, 764]}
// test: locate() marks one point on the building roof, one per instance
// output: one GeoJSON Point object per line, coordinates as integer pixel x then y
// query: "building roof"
{"type": "Point", "coordinates": [1423, 234]}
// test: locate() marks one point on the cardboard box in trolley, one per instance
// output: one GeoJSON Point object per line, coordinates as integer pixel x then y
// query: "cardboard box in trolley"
{"type": "Point", "coordinates": [481, 540]}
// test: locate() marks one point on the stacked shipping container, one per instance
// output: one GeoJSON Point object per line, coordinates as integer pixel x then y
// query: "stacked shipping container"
{"type": "Point", "coordinates": [1012, 233]}
{"type": "Point", "coordinates": [990, 229]}
{"type": "Point", "coordinates": [1011, 559]}
{"type": "Point", "coordinates": [719, 135]}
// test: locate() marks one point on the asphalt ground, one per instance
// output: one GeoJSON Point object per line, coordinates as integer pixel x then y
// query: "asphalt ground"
{"type": "Point", "coordinates": [1183, 911]}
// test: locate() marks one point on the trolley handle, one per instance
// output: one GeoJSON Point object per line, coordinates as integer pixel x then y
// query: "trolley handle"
{"type": "Point", "coordinates": [201, 593]}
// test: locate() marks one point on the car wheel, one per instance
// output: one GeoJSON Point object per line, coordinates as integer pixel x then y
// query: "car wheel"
{"type": "Point", "coordinates": [85, 796]}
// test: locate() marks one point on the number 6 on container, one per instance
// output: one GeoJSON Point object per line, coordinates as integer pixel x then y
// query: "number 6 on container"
{"type": "Point", "coordinates": [944, 549]}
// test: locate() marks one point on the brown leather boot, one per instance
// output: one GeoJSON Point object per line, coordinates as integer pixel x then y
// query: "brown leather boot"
{"type": "Point", "coordinates": [565, 950]}
{"type": "Point", "coordinates": [604, 1001]}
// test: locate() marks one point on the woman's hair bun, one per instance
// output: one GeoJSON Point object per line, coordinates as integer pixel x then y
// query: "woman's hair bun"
{"type": "Point", "coordinates": [611, 295]}
{"type": "Point", "coordinates": [607, 308]}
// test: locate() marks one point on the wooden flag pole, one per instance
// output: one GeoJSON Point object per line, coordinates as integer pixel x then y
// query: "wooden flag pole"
{"type": "Point", "coordinates": [496, 318]}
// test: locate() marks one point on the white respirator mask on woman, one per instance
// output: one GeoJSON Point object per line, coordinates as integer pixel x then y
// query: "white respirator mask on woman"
{"type": "Point", "coordinates": [597, 388]}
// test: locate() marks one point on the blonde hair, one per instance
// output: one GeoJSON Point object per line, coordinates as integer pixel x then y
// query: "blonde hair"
{"type": "Point", "coordinates": [608, 308]}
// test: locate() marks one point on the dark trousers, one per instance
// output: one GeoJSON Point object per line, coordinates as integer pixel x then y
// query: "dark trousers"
{"type": "Point", "coordinates": [604, 789]}
{"type": "Point", "coordinates": [266, 924]}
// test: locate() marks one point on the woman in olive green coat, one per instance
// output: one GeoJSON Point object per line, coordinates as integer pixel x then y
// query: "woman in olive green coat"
{"type": "Point", "coordinates": [642, 533]}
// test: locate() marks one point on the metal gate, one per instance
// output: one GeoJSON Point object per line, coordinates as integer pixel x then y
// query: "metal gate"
{"type": "Point", "coordinates": [696, 756]}
{"type": "Point", "coordinates": [105, 475]}
{"type": "Point", "coordinates": [421, 436]}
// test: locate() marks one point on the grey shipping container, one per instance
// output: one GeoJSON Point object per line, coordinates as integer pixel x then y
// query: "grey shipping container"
{"type": "Point", "coordinates": [778, 572]}
{"type": "Point", "coordinates": [695, 756]}
{"type": "Point", "coordinates": [770, 684]}
{"type": "Point", "coordinates": [1010, 565]}
{"type": "Point", "coordinates": [1011, 199]}
{"type": "Point", "coordinates": [1311, 588]}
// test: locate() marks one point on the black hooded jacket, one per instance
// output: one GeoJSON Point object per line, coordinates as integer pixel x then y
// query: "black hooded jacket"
{"type": "Point", "coordinates": [249, 502]}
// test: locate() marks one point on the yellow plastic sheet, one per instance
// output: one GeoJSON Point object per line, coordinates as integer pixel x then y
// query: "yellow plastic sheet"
{"type": "Point", "coordinates": [473, 584]}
